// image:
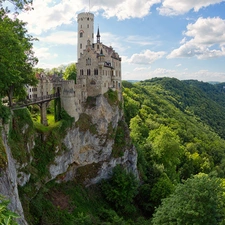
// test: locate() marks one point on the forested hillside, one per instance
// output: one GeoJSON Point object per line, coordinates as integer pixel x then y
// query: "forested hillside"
{"type": "Point", "coordinates": [178, 129]}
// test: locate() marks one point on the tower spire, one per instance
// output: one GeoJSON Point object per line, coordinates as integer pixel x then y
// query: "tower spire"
{"type": "Point", "coordinates": [98, 36]}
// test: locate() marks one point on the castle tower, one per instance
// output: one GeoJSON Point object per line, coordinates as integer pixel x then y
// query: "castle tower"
{"type": "Point", "coordinates": [85, 31]}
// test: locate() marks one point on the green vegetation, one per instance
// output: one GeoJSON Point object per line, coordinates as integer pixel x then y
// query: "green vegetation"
{"type": "Point", "coordinates": [85, 123]}
{"type": "Point", "coordinates": [70, 72]}
{"type": "Point", "coordinates": [4, 113]}
{"type": "Point", "coordinates": [120, 190]}
{"type": "Point", "coordinates": [21, 131]}
{"type": "Point", "coordinates": [16, 57]}
{"type": "Point", "coordinates": [3, 156]}
{"type": "Point", "coordinates": [71, 203]}
{"type": "Point", "coordinates": [199, 200]}
{"type": "Point", "coordinates": [6, 216]}
{"type": "Point", "coordinates": [120, 140]}
{"type": "Point", "coordinates": [176, 128]}
{"type": "Point", "coordinates": [112, 97]}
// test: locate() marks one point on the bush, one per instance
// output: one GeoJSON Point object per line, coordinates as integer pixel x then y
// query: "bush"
{"type": "Point", "coordinates": [6, 216]}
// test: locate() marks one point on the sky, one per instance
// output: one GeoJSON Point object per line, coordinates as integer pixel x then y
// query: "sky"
{"type": "Point", "coordinates": [184, 39]}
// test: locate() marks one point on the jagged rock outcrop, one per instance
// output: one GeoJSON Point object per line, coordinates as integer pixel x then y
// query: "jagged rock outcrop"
{"type": "Point", "coordinates": [8, 181]}
{"type": "Point", "coordinates": [89, 152]}
{"type": "Point", "coordinates": [86, 147]}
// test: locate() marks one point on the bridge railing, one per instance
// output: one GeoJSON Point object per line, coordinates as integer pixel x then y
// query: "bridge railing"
{"type": "Point", "coordinates": [40, 99]}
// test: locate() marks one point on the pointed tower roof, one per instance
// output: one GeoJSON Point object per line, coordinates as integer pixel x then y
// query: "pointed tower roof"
{"type": "Point", "coordinates": [98, 36]}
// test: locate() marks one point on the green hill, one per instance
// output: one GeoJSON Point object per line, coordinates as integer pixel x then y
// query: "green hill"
{"type": "Point", "coordinates": [178, 129]}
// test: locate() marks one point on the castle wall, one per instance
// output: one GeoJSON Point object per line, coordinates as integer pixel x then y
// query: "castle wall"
{"type": "Point", "coordinates": [69, 99]}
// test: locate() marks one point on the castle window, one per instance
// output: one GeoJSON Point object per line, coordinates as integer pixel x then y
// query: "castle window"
{"type": "Point", "coordinates": [97, 46]}
{"type": "Point", "coordinates": [88, 18]}
{"type": "Point", "coordinates": [80, 46]}
{"type": "Point", "coordinates": [81, 34]}
{"type": "Point", "coordinates": [88, 72]}
{"type": "Point", "coordinates": [81, 72]}
{"type": "Point", "coordinates": [88, 62]}
{"type": "Point", "coordinates": [95, 71]}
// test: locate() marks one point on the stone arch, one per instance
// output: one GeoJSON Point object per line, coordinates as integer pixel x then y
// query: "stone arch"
{"type": "Point", "coordinates": [93, 82]}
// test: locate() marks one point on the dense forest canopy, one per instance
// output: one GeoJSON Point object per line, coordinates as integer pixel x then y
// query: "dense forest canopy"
{"type": "Point", "coordinates": [178, 129]}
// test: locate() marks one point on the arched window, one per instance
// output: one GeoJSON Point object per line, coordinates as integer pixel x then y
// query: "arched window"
{"type": "Point", "coordinates": [88, 72]}
{"type": "Point", "coordinates": [95, 71]}
{"type": "Point", "coordinates": [81, 34]}
{"type": "Point", "coordinates": [81, 72]}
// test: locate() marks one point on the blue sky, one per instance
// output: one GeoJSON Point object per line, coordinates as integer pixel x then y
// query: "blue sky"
{"type": "Point", "coordinates": [155, 38]}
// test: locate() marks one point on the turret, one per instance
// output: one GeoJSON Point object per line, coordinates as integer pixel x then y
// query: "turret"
{"type": "Point", "coordinates": [85, 31]}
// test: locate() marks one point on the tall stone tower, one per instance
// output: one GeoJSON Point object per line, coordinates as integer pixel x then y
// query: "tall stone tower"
{"type": "Point", "coordinates": [85, 31]}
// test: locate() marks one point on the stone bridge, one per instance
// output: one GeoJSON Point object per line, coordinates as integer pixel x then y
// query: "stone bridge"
{"type": "Point", "coordinates": [42, 101]}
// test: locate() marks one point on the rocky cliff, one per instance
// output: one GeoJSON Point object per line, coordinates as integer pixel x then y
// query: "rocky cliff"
{"type": "Point", "coordinates": [87, 151]}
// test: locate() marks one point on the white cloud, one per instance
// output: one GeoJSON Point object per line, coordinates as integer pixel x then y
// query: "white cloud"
{"type": "Point", "coordinates": [48, 15]}
{"type": "Point", "coordinates": [141, 68]}
{"type": "Point", "coordinates": [146, 57]}
{"type": "Point", "coordinates": [125, 9]}
{"type": "Point", "coordinates": [204, 39]}
{"type": "Point", "coordinates": [61, 37]}
{"type": "Point", "coordinates": [174, 7]}
{"type": "Point", "coordinates": [43, 53]}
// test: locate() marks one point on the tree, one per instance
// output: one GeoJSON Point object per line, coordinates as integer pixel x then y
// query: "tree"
{"type": "Point", "coordinates": [200, 200]}
{"type": "Point", "coordinates": [16, 57]}
{"type": "Point", "coordinates": [6, 216]}
{"type": "Point", "coordinates": [120, 189]}
{"type": "Point", "coordinates": [19, 4]}
{"type": "Point", "coordinates": [166, 149]}
{"type": "Point", "coordinates": [70, 72]}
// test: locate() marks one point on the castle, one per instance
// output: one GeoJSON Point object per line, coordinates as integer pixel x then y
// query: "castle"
{"type": "Point", "coordinates": [98, 69]}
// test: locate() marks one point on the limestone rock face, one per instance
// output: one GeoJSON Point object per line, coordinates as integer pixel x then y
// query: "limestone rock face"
{"type": "Point", "coordinates": [88, 148]}
{"type": "Point", "coordinates": [8, 183]}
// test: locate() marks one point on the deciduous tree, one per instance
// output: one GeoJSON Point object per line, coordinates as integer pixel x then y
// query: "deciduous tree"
{"type": "Point", "coordinates": [200, 200]}
{"type": "Point", "coordinates": [70, 72]}
{"type": "Point", "coordinates": [16, 57]}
